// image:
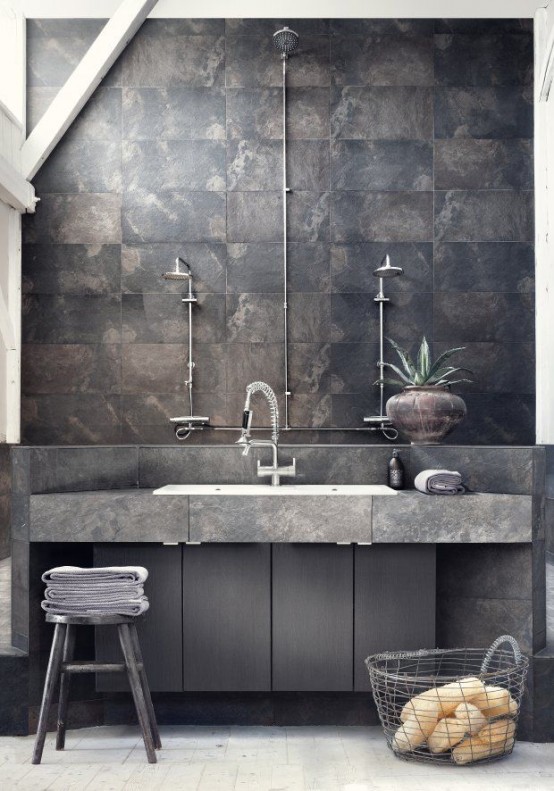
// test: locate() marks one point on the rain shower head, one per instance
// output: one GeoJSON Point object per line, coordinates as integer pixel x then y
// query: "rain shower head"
{"type": "Point", "coordinates": [285, 41]}
{"type": "Point", "coordinates": [386, 270]}
{"type": "Point", "coordinates": [177, 274]}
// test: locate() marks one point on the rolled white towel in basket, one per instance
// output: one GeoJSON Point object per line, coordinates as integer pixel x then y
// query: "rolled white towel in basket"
{"type": "Point", "coordinates": [439, 482]}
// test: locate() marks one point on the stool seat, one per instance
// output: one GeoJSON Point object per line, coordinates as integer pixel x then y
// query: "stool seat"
{"type": "Point", "coordinates": [61, 667]}
{"type": "Point", "coordinates": [90, 620]}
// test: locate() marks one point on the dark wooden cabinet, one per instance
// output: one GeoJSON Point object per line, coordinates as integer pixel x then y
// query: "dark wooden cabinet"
{"type": "Point", "coordinates": [160, 628]}
{"type": "Point", "coordinates": [312, 617]}
{"type": "Point", "coordinates": [227, 617]}
{"type": "Point", "coordinates": [394, 602]}
{"type": "Point", "coordinates": [283, 617]}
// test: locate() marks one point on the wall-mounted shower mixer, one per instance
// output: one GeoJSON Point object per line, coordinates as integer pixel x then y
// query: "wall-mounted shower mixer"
{"type": "Point", "coordinates": [381, 422]}
{"type": "Point", "coordinates": [185, 425]}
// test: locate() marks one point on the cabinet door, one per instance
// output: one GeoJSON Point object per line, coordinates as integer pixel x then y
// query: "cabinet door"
{"type": "Point", "coordinates": [227, 617]}
{"type": "Point", "coordinates": [394, 602]}
{"type": "Point", "coordinates": [159, 629]}
{"type": "Point", "coordinates": [312, 617]}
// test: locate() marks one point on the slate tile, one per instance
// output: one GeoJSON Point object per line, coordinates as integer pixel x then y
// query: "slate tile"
{"type": "Point", "coordinates": [483, 25]}
{"type": "Point", "coordinates": [381, 165]}
{"type": "Point", "coordinates": [382, 113]}
{"type": "Point", "coordinates": [254, 318]}
{"type": "Point", "coordinates": [254, 164]}
{"type": "Point", "coordinates": [251, 362]}
{"type": "Point", "coordinates": [255, 266]}
{"type": "Point", "coordinates": [81, 469]}
{"type": "Point", "coordinates": [484, 59]}
{"type": "Point", "coordinates": [153, 368]}
{"type": "Point", "coordinates": [55, 50]}
{"type": "Point", "coordinates": [255, 113]}
{"type": "Point", "coordinates": [100, 118]}
{"type": "Point", "coordinates": [486, 113]}
{"type": "Point", "coordinates": [254, 217]}
{"type": "Point", "coordinates": [496, 418]}
{"type": "Point", "coordinates": [76, 269]}
{"type": "Point", "coordinates": [309, 317]}
{"type": "Point", "coordinates": [483, 164]}
{"type": "Point", "coordinates": [161, 61]}
{"type": "Point", "coordinates": [173, 165]}
{"type": "Point", "coordinates": [382, 217]}
{"type": "Point", "coordinates": [70, 368]}
{"type": "Point", "coordinates": [183, 27]}
{"type": "Point", "coordinates": [163, 318]}
{"type": "Point", "coordinates": [308, 113]}
{"type": "Point", "coordinates": [492, 367]}
{"type": "Point", "coordinates": [382, 60]}
{"type": "Point", "coordinates": [173, 114]}
{"type": "Point", "coordinates": [310, 368]}
{"type": "Point", "coordinates": [493, 215]}
{"type": "Point", "coordinates": [308, 216]}
{"type": "Point", "coordinates": [352, 266]}
{"type": "Point", "coordinates": [483, 317]}
{"type": "Point", "coordinates": [53, 318]}
{"type": "Point", "coordinates": [484, 266]}
{"type": "Point", "coordinates": [308, 267]}
{"type": "Point", "coordinates": [75, 219]}
{"type": "Point", "coordinates": [355, 318]}
{"type": "Point", "coordinates": [354, 367]}
{"type": "Point", "coordinates": [313, 410]}
{"type": "Point", "coordinates": [308, 166]}
{"type": "Point", "coordinates": [83, 419]}
{"type": "Point", "coordinates": [381, 27]}
{"type": "Point", "coordinates": [142, 266]}
{"type": "Point", "coordinates": [77, 166]}
{"type": "Point", "coordinates": [173, 217]}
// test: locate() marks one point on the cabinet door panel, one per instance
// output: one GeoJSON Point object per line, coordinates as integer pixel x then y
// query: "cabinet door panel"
{"type": "Point", "coordinates": [159, 629]}
{"type": "Point", "coordinates": [227, 617]}
{"type": "Point", "coordinates": [312, 617]}
{"type": "Point", "coordinates": [394, 602]}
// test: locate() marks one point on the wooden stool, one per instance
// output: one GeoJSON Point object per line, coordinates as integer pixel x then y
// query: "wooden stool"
{"type": "Point", "coordinates": [60, 665]}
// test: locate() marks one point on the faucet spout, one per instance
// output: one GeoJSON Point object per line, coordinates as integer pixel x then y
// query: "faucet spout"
{"type": "Point", "coordinates": [275, 472]}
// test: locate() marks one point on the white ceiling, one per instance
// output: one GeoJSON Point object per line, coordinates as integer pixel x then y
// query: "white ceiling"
{"type": "Point", "coordinates": [291, 9]}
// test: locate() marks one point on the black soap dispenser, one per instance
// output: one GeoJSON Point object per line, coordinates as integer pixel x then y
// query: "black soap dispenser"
{"type": "Point", "coordinates": [395, 473]}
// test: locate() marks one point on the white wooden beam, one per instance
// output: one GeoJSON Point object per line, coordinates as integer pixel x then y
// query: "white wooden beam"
{"type": "Point", "coordinates": [14, 189]}
{"type": "Point", "coordinates": [80, 86]}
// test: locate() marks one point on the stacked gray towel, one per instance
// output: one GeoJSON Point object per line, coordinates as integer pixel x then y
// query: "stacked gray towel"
{"type": "Point", "coordinates": [112, 590]}
{"type": "Point", "coordinates": [439, 482]}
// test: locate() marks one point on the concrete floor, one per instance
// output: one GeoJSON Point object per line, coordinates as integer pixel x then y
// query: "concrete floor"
{"type": "Point", "coordinates": [256, 759]}
{"type": "Point", "coordinates": [252, 758]}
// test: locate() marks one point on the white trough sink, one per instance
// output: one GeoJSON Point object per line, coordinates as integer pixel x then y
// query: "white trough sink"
{"type": "Point", "coordinates": [296, 490]}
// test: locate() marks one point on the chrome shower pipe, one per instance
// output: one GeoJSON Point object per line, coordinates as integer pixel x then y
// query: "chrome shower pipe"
{"type": "Point", "coordinates": [381, 299]}
{"type": "Point", "coordinates": [285, 261]}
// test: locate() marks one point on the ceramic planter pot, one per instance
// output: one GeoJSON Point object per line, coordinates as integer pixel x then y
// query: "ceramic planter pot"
{"type": "Point", "coordinates": [425, 415]}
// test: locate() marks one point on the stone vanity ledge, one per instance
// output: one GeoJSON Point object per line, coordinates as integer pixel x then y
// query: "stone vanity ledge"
{"type": "Point", "coordinates": [136, 515]}
{"type": "Point", "coordinates": [473, 518]}
{"type": "Point", "coordinates": [130, 515]}
{"type": "Point", "coordinates": [306, 519]}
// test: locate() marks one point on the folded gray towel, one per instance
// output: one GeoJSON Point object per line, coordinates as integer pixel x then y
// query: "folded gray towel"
{"type": "Point", "coordinates": [123, 607]}
{"type": "Point", "coordinates": [102, 593]}
{"type": "Point", "coordinates": [439, 482]}
{"type": "Point", "coordinates": [76, 576]}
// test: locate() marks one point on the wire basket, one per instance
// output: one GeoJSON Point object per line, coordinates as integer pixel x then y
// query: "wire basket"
{"type": "Point", "coordinates": [456, 706]}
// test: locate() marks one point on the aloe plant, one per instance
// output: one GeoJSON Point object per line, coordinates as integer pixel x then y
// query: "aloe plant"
{"type": "Point", "coordinates": [424, 372]}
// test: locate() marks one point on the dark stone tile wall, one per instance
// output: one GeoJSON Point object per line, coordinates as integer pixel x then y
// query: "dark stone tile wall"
{"type": "Point", "coordinates": [5, 489]}
{"type": "Point", "coordinates": [412, 137]}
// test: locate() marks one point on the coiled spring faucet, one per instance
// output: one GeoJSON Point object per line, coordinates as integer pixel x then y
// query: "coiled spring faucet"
{"type": "Point", "coordinates": [275, 472]}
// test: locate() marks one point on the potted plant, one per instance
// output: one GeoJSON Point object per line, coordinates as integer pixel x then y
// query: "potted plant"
{"type": "Point", "coordinates": [425, 411]}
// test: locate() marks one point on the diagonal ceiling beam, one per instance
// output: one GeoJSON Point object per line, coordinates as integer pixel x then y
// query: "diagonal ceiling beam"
{"type": "Point", "coordinates": [80, 86]}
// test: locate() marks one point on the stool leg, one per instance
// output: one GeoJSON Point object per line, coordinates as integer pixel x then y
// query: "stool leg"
{"type": "Point", "coordinates": [136, 689]}
{"type": "Point", "coordinates": [145, 687]}
{"type": "Point", "coordinates": [52, 674]}
{"type": "Point", "coordinates": [68, 648]}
